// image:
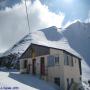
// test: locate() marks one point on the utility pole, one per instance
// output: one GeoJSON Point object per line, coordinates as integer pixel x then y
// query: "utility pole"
{"type": "Point", "coordinates": [27, 16]}
{"type": "Point", "coordinates": [88, 16]}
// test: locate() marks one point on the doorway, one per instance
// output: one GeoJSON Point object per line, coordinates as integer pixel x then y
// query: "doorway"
{"type": "Point", "coordinates": [28, 68]}
{"type": "Point", "coordinates": [33, 66]}
{"type": "Point", "coordinates": [42, 66]}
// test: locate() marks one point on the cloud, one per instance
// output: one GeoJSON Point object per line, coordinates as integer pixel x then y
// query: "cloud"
{"type": "Point", "coordinates": [42, 17]}
{"type": "Point", "coordinates": [13, 24]}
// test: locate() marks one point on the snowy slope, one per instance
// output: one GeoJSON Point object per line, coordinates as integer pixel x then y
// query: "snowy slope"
{"type": "Point", "coordinates": [75, 38]}
{"type": "Point", "coordinates": [20, 46]}
{"type": "Point", "coordinates": [15, 81]}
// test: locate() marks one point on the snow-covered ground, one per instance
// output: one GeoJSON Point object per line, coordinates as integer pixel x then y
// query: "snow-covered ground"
{"type": "Point", "coordinates": [12, 80]}
{"type": "Point", "coordinates": [86, 85]}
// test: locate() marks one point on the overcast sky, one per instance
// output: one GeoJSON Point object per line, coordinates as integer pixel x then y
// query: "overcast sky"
{"type": "Point", "coordinates": [42, 14]}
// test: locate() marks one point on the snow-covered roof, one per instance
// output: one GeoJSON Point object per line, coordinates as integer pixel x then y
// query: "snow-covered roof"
{"type": "Point", "coordinates": [67, 49]}
{"type": "Point", "coordinates": [50, 37]}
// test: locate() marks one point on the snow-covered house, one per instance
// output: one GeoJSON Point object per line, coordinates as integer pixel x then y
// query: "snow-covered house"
{"type": "Point", "coordinates": [48, 54]}
{"type": "Point", "coordinates": [51, 64]}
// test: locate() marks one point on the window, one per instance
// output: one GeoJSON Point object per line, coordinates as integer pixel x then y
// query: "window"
{"type": "Point", "coordinates": [75, 60]}
{"type": "Point", "coordinates": [57, 60]}
{"type": "Point", "coordinates": [25, 64]}
{"type": "Point", "coordinates": [67, 83]}
{"type": "Point", "coordinates": [57, 81]}
{"type": "Point", "coordinates": [80, 69]}
{"type": "Point", "coordinates": [72, 80]}
{"type": "Point", "coordinates": [50, 60]}
{"type": "Point", "coordinates": [80, 79]}
{"type": "Point", "coordinates": [66, 59]}
{"type": "Point", "coordinates": [72, 64]}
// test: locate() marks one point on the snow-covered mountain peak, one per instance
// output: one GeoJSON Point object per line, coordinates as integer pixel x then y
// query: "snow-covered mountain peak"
{"type": "Point", "coordinates": [78, 24]}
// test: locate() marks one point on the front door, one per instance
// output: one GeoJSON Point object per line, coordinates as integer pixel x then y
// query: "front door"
{"type": "Point", "coordinates": [28, 68]}
{"type": "Point", "coordinates": [34, 66]}
{"type": "Point", "coordinates": [42, 66]}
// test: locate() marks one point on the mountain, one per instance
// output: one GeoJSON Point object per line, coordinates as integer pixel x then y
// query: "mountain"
{"type": "Point", "coordinates": [78, 36]}
{"type": "Point", "coordinates": [75, 39]}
